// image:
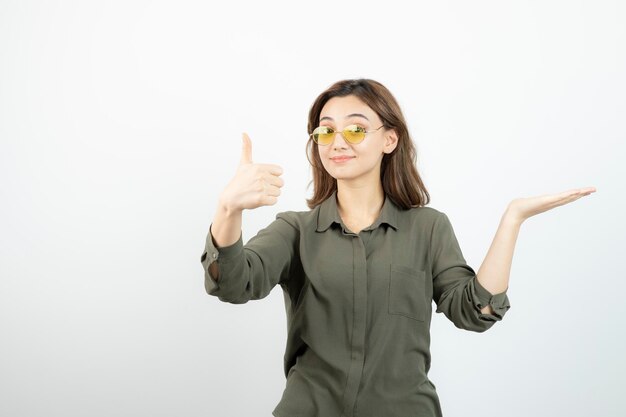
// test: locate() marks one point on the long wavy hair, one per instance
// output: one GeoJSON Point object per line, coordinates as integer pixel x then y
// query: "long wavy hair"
{"type": "Point", "coordinates": [398, 173]}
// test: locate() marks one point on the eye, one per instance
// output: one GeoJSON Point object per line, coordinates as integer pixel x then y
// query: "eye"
{"type": "Point", "coordinates": [325, 130]}
{"type": "Point", "coordinates": [355, 128]}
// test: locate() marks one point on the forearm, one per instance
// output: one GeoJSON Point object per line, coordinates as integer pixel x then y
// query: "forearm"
{"type": "Point", "coordinates": [226, 226]}
{"type": "Point", "coordinates": [495, 270]}
{"type": "Point", "coordinates": [225, 230]}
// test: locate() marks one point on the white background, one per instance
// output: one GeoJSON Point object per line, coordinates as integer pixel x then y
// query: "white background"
{"type": "Point", "coordinates": [120, 124]}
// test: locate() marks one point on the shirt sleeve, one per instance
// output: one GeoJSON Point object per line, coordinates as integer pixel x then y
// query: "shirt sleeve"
{"type": "Point", "coordinates": [456, 290]}
{"type": "Point", "coordinates": [250, 271]}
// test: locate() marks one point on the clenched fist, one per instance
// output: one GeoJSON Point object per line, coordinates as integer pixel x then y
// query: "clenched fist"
{"type": "Point", "coordinates": [253, 185]}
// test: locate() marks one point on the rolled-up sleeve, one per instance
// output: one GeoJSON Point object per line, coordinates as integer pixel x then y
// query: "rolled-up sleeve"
{"type": "Point", "coordinates": [250, 271]}
{"type": "Point", "coordinates": [456, 290]}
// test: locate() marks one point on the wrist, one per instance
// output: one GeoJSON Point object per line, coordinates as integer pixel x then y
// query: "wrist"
{"type": "Point", "coordinates": [511, 216]}
{"type": "Point", "coordinates": [227, 208]}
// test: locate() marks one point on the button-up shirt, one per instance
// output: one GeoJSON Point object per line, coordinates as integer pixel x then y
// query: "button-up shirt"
{"type": "Point", "coordinates": [358, 305]}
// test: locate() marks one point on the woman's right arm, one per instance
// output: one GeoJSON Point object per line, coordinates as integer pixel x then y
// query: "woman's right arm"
{"type": "Point", "coordinates": [251, 273]}
{"type": "Point", "coordinates": [225, 231]}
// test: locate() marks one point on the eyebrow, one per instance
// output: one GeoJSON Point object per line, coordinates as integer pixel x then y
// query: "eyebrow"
{"type": "Point", "coordinates": [347, 117]}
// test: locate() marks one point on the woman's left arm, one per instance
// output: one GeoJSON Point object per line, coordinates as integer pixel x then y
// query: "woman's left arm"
{"type": "Point", "coordinates": [494, 272]}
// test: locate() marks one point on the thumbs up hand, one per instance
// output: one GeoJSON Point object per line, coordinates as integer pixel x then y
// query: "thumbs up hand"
{"type": "Point", "coordinates": [253, 185]}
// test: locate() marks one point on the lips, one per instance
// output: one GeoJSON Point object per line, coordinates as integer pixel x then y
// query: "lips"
{"type": "Point", "coordinates": [341, 158]}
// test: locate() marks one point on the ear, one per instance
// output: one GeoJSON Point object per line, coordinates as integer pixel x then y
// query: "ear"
{"type": "Point", "coordinates": [391, 141]}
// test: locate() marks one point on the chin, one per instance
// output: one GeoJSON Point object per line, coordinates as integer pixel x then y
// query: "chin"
{"type": "Point", "coordinates": [343, 177]}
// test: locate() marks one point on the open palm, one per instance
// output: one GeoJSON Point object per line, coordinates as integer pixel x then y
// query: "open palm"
{"type": "Point", "coordinates": [523, 208]}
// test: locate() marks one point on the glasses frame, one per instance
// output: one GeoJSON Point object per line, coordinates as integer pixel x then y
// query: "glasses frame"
{"type": "Point", "coordinates": [342, 134]}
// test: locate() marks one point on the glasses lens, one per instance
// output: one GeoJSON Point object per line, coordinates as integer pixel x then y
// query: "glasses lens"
{"type": "Point", "coordinates": [323, 135]}
{"type": "Point", "coordinates": [354, 133]}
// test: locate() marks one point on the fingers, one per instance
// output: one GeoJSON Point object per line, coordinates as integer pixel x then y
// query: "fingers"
{"type": "Point", "coordinates": [587, 190]}
{"type": "Point", "coordinates": [246, 150]}
{"type": "Point", "coordinates": [272, 168]}
{"type": "Point", "coordinates": [272, 190]}
{"type": "Point", "coordinates": [575, 194]}
{"type": "Point", "coordinates": [274, 180]}
{"type": "Point", "coordinates": [567, 196]}
{"type": "Point", "coordinates": [269, 200]}
{"type": "Point", "coordinates": [581, 191]}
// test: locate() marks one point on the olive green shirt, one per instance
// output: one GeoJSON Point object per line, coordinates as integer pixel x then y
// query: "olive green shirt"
{"type": "Point", "coordinates": [358, 305]}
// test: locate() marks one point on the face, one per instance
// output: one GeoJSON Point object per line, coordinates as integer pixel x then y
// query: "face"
{"type": "Point", "coordinates": [365, 157]}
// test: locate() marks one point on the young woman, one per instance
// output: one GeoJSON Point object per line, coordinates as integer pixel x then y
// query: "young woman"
{"type": "Point", "coordinates": [360, 269]}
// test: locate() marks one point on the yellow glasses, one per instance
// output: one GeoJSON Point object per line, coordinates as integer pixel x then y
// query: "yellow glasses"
{"type": "Point", "coordinates": [323, 135]}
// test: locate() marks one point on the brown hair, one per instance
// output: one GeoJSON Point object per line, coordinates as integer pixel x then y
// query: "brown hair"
{"type": "Point", "coordinates": [398, 173]}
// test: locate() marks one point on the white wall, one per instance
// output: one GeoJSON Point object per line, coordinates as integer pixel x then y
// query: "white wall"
{"type": "Point", "coordinates": [120, 123]}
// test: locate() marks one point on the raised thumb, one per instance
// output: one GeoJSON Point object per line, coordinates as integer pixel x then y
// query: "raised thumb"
{"type": "Point", "coordinates": [246, 150]}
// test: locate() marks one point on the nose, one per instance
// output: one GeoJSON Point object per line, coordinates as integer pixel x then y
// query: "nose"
{"type": "Point", "coordinates": [342, 141]}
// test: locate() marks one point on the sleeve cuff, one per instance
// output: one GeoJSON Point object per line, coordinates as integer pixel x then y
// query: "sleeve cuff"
{"type": "Point", "coordinates": [482, 297]}
{"type": "Point", "coordinates": [224, 254]}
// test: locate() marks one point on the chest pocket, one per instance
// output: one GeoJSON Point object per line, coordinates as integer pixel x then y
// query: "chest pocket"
{"type": "Point", "coordinates": [407, 292]}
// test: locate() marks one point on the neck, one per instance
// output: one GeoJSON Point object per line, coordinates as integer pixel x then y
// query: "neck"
{"type": "Point", "coordinates": [360, 202]}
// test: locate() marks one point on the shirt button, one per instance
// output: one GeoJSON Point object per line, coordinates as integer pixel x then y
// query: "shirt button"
{"type": "Point", "coordinates": [214, 255]}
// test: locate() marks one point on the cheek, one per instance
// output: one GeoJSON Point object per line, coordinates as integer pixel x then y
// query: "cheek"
{"type": "Point", "coordinates": [324, 156]}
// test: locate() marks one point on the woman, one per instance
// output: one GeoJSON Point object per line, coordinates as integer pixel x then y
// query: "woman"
{"type": "Point", "coordinates": [359, 271]}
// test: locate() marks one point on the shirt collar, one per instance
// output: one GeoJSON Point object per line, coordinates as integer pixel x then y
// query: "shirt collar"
{"type": "Point", "coordinates": [329, 213]}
